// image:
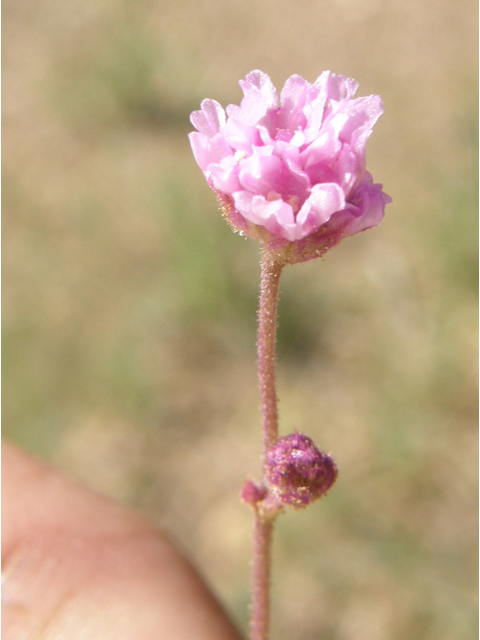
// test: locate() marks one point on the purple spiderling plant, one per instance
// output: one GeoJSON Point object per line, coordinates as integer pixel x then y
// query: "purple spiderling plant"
{"type": "Point", "coordinates": [291, 173]}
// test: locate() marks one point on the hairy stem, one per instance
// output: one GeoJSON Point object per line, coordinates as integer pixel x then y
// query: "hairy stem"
{"type": "Point", "coordinates": [267, 329]}
{"type": "Point", "coordinates": [260, 621]}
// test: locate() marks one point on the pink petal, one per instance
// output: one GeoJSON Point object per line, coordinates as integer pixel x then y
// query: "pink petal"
{"type": "Point", "coordinates": [340, 88]}
{"type": "Point", "coordinates": [313, 112]}
{"type": "Point", "coordinates": [324, 200]}
{"type": "Point", "coordinates": [225, 175]}
{"type": "Point", "coordinates": [276, 216]}
{"type": "Point", "coordinates": [260, 172]}
{"type": "Point", "coordinates": [210, 119]}
{"type": "Point", "coordinates": [294, 93]}
{"type": "Point", "coordinates": [199, 144]}
{"type": "Point", "coordinates": [368, 206]}
{"type": "Point", "coordinates": [348, 169]}
{"type": "Point", "coordinates": [362, 114]}
{"type": "Point", "coordinates": [320, 154]}
{"type": "Point", "coordinates": [260, 96]}
{"type": "Point", "coordinates": [261, 81]}
{"type": "Point", "coordinates": [240, 136]}
{"type": "Point", "coordinates": [293, 98]}
{"type": "Point", "coordinates": [265, 172]}
{"type": "Point", "coordinates": [207, 150]}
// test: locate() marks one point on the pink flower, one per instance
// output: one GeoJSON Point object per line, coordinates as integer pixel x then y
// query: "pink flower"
{"type": "Point", "coordinates": [292, 173]}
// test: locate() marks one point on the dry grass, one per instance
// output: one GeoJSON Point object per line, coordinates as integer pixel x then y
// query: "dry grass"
{"type": "Point", "coordinates": [129, 307]}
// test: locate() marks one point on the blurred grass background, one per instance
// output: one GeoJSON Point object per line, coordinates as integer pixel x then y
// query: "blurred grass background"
{"type": "Point", "coordinates": [129, 306]}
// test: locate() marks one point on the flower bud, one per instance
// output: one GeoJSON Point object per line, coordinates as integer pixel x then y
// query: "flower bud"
{"type": "Point", "coordinates": [297, 473]}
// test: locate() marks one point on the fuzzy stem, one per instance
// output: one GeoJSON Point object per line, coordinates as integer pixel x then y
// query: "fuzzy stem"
{"type": "Point", "coordinates": [267, 329]}
{"type": "Point", "coordinates": [260, 620]}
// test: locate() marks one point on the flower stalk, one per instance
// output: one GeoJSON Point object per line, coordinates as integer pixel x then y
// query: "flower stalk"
{"type": "Point", "coordinates": [295, 472]}
{"type": "Point", "coordinates": [266, 341]}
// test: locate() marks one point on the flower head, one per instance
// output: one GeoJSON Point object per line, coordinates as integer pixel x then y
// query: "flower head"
{"type": "Point", "coordinates": [291, 172]}
{"type": "Point", "coordinates": [297, 473]}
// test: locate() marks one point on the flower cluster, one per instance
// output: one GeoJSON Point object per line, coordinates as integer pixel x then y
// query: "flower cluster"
{"type": "Point", "coordinates": [291, 172]}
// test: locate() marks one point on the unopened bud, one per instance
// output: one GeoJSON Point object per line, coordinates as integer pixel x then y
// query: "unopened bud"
{"type": "Point", "coordinates": [297, 473]}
